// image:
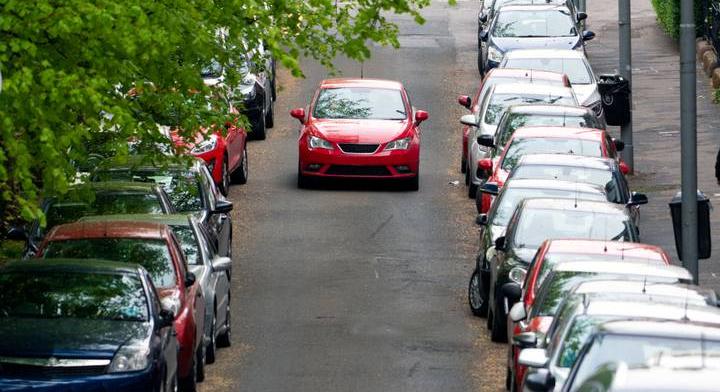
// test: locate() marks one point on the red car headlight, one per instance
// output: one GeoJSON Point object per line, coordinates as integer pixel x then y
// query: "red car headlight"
{"type": "Point", "coordinates": [400, 144]}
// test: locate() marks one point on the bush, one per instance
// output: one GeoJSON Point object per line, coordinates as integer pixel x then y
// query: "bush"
{"type": "Point", "coordinates": [668, 14]}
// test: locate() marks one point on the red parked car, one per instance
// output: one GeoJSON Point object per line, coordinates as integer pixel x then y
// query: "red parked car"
{"type": "Point", "coordinates": [359, 128]}
{"type": "Point", "coordinates": [545, 140]}
{"type": "Point", "coordinates": [155, 247]}
{"type": "Point", "coordinates": [552, 252]}
{"type": "Point", "coordinates": [503, 75]}
{"type": "Point", "coordinates": [225, 155]}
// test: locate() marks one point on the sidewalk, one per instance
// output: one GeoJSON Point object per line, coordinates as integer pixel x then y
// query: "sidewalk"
{"type": "Point", "coordinates": [656, 95]}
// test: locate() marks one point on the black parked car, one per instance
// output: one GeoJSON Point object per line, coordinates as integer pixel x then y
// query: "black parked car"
{"type": "Point", "coordinates": [71, 325]}
{"type": "Point", "coordinates": [545, 26]}
{"type": "Point", "coordinates": [190, 188]}
{"type": "Point", "coordinates": [99, 198]}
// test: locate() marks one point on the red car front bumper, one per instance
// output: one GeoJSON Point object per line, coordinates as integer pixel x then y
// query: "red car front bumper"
{"type": "Point", "coordinates": [381, 164]}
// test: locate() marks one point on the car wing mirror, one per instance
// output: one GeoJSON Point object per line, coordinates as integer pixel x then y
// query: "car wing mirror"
{"type": "Point", "coordinates": [483, 35]}
{"type": "Point", "coordinates": [166, 318]}
{"type": "Point", "coordinates": [299, 114]}
{"type": "Point", "coordinates": [189, 279]}
{"type": "Point", "coordinates": [485, 164]}
{"type": "Point", "coordinates": [637, 199]}
{"type": "Point", "coordinates": [486, 140]}
{"type": "Point", "coordinates": [525, 340]}
{"type": "Point", "coordinates": [469, 120]}
{"type": "Point", "coordinates": [541, 380]}
{"type": "Point", "coordinates": [581, 16]}
{"type": "Point", "coordinates": [490, 188]}
{"type": "Point", "coordinates": [533, 357]}
{"type": "Point", "coordinates": [512, 291]}
{"type": "Point", "coordinates": [500, 243]}
{"type": "Point", "coordinates": [482, 18]}
{"type": "Point", "coordinates": [420, 116]}
{"type": "Point", "coordinates": [223, 207]}
{"type": "Point", "coordinates": [619, 144]}
{"type": "Point", "coordinates": [17, 234]}
{"type": "Point", "coordinates": [481, 220]}
{"type": "Point", "coordinates": [222, 264]}
{"type": "Point", "coordinates": [588, 35]}
{"type": "Point", "coordinates": [465, 101]}
{"type": "Point", "coordinates": [624, 168]}
{"type": "Point", "coordinates": [518, 313]}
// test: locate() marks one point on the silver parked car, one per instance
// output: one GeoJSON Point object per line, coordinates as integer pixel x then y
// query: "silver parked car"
{"type": "Point", "coordinates": [494, 105]}
{"type": "Point", "coordinates": [573, 63]}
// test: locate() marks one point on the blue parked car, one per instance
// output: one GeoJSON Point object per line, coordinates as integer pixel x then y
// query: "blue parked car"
{"type": "Point", "coordinates": [71, 325]}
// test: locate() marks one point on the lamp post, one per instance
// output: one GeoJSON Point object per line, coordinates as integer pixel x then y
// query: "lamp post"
{"type": "Point", "coordinates": [625, 66]}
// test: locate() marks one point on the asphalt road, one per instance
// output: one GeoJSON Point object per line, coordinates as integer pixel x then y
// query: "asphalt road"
{"type": "Point", "coordinates": [361, 287]}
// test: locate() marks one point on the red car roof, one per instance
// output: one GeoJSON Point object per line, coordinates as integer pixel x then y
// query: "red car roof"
{"type": "Point", "coordinates": [356, 82]}
{"type": "Point", "coordinates": [111, 229]}
{"type": "Point", "coordinates": [616, 248]}
{"type": "Point", "coordinates": [559, 132]}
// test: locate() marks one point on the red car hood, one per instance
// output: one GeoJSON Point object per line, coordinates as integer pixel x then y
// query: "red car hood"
{"type": "Point", "coordinates": [360, 131]}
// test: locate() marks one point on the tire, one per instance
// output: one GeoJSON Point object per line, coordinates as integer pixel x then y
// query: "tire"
{"type": "Point", "coordinates": [413, 184]}
{"type": "Point", "coordinates": [224, 340]}
{"type": "Point", "coordinates": [270, 116]}
{"type": "Point", "coordinates": [478, 202]}
{"type": "Point", "coordinates": [259, 130]}
{"type": "Point", "coordinates": [273, 87]}
{"type": "Point", "coordinates": [498, 332]}
{"type": "Point", "coordinates": [303, 182]}
{"type": "Point", "coordinates": [508, 379]}
{"type": "Point", "coordinates": [467, 177]}
{"type": "Point", "coordinates": [480, 63]}
{"type": "Point", "coordinates": [240, 175]}
{"type": "Point", "coordinates": [224, 185]}
{"type": "Point", "coordinates": [212, 346]}
{"type": "Point", "coordinates": [476, 297]}
{"type": "Point", "coordinates": [463, 166]}
{"type": "Point", "coordinates": [200, 363]}
{"type": "Point", "coordinates": [189, 383]}
{"type": "Point", "coordinates": [472, 190]}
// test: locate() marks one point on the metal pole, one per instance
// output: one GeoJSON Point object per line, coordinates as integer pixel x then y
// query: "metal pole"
{"type": "Point", "coordinates": [625, 66]}
{"type": "Point", "coordinates": [688, 140]}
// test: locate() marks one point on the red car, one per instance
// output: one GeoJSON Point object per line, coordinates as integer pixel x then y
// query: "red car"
{"type": "Point", "coordinates": [545, 140]}
{"type": "Point", "coordinates": [359, 128]}
{"type": "Point", "coordinates": [503, 75]}
{"type": "Point", "coordinates": [225, 155]}
{"type": "Point", "coordinates": [156, 248]}
{"type": "Point", "coordinates": [554, 251]}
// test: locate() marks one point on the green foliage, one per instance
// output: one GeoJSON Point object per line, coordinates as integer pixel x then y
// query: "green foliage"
{"type": "Point", "coordinates": [668, 14]}
{"type": "Point", "coordinates": [11, 250]}
{"type": "Point", "coordinates": [84, 77]}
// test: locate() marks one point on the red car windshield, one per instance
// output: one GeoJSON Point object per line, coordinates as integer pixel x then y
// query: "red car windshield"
{"type": "Point", "coordinates": [360, 103]}
{"type": "Point", "coordinates": [153, 255]}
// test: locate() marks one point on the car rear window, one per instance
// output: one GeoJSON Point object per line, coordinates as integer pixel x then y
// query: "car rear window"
{"type": "Point", "coordinates": [105, 203]}
{"type": "Point", "coordinates": [501, 101]}
{"type": "Point", "coordinates": [551, 145]}
{"type": "Point", "coordinates": [576, 69]}
{"type": "Point", "coordinates": [64, 294]}
{"type": "Point", "coordinates": [513, 121]}
{"type": "Point", "coordinates": [152, 254]}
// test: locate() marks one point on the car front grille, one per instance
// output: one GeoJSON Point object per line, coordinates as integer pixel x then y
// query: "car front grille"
{"type": "Point", "coordinates": [36, 367]}
{"type": "Point", "coordinates": [358, 148]}
{"type": "Point", "coordinates": [346, 170]}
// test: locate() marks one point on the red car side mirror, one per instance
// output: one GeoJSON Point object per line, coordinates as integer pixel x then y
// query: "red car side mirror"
{"type": "Point", "coordinates": [465, 101]}
{"type": "Point", "coordinates": [624, 168]}
{"type": "Point", "coordinates": [421, 116]}
{"type": "Point", "coordinates": [485, 164]}
{"type": "Point", "coordinates": [298, 113]}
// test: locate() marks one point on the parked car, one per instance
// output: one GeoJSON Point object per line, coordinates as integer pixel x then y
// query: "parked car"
{"type": "Point", "coordinates": [619, 377]}
{"type": "Point", "coordinates": [533, 222]}
{"type": "Point", "coordinates": [113, 197]}
{"type": "Point", "coordinates": [360, 128]}
{"type": "Point", "coordinates": [494, 223]}
{"type": "Point", "coordinates": [190, 188]}
{"type": "Point", "coordinates": [225, 153]}
{"type": "Point", "coordinates": [212, 271]}
{"type": "Point", "coordinates": [573, 63]}
{"type": "Point", "coordinates": [542, 115]}
{"type": "Point", "coordinates": [530, 26]}
{"type": "Point", "coordinates": [580, 314]}
{"type": "Point", "coordinates": [640, 342]}
{"type": "Point", "coordinates": [503, 76]}
{"type": "Point", "coordinates": [541, 140]}
{"type": "Point", "coordinates": [604, 172]}
{"type": "Point", "coordinates": [158, 250]}
{"type": "Point", "coordinates": [552, 252]}
{"type": "Point", "coordinates": [497, 101]}
{"type": "Point", "coordinates": [84, 325]}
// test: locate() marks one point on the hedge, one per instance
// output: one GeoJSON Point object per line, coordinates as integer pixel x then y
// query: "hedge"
{"type": "Point", "coordinates": [668, 14]}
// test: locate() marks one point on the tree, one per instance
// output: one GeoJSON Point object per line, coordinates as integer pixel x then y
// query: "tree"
{"type": "Point", "coordinates": [83, 77]}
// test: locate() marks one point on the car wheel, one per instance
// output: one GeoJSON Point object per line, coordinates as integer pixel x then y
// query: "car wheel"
{"type": "Point", "coordinates": [273, 88]}
{"type": "Point", "coordinates": [476, 296]}
{"type": "Point", "coordinates": [200, 362]}
{"type": "Point", "coordinates": [189, 383]}
{"type": "Point", "coordinates": [240, 175]}
{"type": "Point", "coordinates": [480, 63]}
{"type": "Point", "coordinates": [225, 178]}
{"type": "Point", "coordinates": [472, 190]}
{"type": "Point", "coordinates": [210, 351]}
{"type": "Point", "coordinates": [270, 117]}
{"type": "Point", "coordinates": [259, 131]}
{"type": "Point", "coordinates": [508, 379]}
{"type": "Point", "coordinates": [498, 333]}
{"type": "Point", "coordinates": [467, 177]}
{"type": "Point", "coordinates": [224, 340]}
{"type": "Point", "coordinates": [478, 201]}
{"type": "Point", "coordinates": [463, 166]}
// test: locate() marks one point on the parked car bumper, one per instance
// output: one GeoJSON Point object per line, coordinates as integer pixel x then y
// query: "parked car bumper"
{"type": "Point", "coordinates": [145, 380]}
{"type": "Point", "coordinates": [379, 165]}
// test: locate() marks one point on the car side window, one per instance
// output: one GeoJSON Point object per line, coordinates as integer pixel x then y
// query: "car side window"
{"type": "Point", "coordinates": [181, 254]}
{"type": "Point", "coordinates": [210, 186]}
{"type": "Point", "coordinates": [211, 248]}
{"type": "Point", "coordinates": [154, 299]}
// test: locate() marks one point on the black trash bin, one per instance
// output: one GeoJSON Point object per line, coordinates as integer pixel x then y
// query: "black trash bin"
{"type": "Point", "coordinates": [703, 212]}
{"type": "Point", "coordinates": [615, 92]}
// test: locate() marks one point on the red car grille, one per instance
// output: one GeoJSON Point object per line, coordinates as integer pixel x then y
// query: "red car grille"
{"type": "Point", "coordinates": [345, 170]}
{"type": "Point", "coordinates": [358, 148]}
